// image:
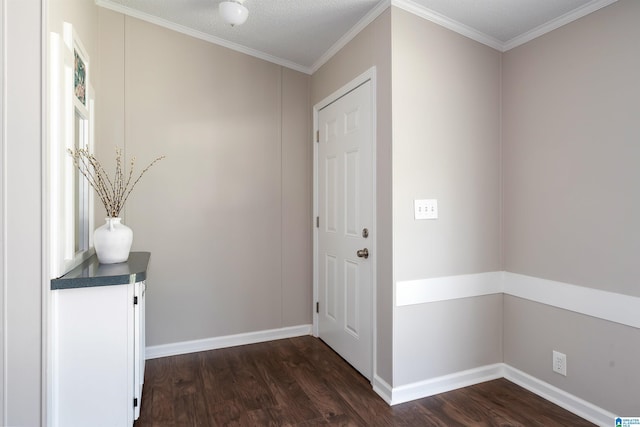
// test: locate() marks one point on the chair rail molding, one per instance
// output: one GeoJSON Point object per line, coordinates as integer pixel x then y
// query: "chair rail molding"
{"type": "Point", "coordinates": [611, 306]}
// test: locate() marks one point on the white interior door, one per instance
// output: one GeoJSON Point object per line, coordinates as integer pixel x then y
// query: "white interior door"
{"type": "Point", "coordinates": [345, 210]}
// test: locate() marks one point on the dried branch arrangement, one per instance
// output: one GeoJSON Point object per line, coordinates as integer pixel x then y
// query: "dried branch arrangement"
{"type": "Point", "coordinates": [112, 192]}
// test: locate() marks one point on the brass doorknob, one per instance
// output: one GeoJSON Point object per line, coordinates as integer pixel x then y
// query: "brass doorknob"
{"type": "Point", "coordinates": [363, 253]}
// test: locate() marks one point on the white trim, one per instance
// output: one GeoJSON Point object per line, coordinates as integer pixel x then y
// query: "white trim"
{"type": "Point", "coordinates": [446, 383]}
{"type": "Point", "coordinates": [374, 222]}
{"type": "Point", "coordinates": [202, 36]}
{"type": "Point", "coordinates": [60, 107]}
{"type": "Point", "coordinates": [571, 403]}
{"type": "Point", "coordinates": [350, 35]}
{"type": "Point", "coordinates": [184, 347]}
{"type": "Point", "coordinates": [419, 10]}
{"type": "Point", "coordinates": [368, 75]}
{"type": "Point", "coordinates": [556, 23]}
{"type": "Point", "coordinates": [619, 308]}
{"type": "Point", "coordinates": [435, 17]}
{"type": "Point", "coordinates": [611, 306]}
{"type": "Point", "coordinates": [382, 388]}
{"type": "Point", "coordinates": [315, 265]}
{"type": "Point", "coordinates": [446, 288]}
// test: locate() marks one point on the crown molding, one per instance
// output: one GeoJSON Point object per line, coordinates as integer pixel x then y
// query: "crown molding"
{"type": "Point", "coordinates": [350, 35]}
{"type": "Point", "coordinates": [423, 12]}
{"type": "Point", "coordinates": [407, 5]}
{"type": "Point", "coordinates": [428, 14]}
{"type": "Point", "coordinates": [200, 35]}
{"type": "Point", "coordinates": [558, 22]}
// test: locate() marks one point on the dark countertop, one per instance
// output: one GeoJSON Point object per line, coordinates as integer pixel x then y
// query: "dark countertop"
{"type": "Point", "coordinates": [91, 273]}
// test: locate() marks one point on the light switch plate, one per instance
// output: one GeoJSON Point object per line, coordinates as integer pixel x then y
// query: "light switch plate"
{"type": "Point", "coordinates": [426, 208]}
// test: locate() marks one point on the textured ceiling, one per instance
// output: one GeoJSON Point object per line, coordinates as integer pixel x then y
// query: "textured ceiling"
{"type": "Point", "coordinates": [302, 34]}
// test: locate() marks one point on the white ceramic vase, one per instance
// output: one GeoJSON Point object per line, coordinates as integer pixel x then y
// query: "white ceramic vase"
{"type": "Point", "coordinates": [112, 241]}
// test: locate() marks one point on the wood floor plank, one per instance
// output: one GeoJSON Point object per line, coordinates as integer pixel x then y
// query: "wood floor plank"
{"type": "Point", "coordinates": [226, 412]}
{"type": "Point", "coordinates": [276, 373]}
{"type": "Point", "coordinates": [250, 391]}
{"type": "Point", "coordinates": [302, 382]}
{"type": "Point", "coordinates": [508, 399]}
{"type": "Point", "coordinates": [413, 414]}
{"type": "Point", "coordinates": [350, 386]}
{"type": "Point", "coordinates": [216, 375]}
{"type": "Point", "coordinates": [159, 384]}
{"type": "Point", "coordinates": [325, 399]}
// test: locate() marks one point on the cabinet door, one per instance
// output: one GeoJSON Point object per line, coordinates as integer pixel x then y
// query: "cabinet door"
{"type": "Point", "coordinates": [93, 356]}
{"type": "Point", "coordinates": [139, 339]}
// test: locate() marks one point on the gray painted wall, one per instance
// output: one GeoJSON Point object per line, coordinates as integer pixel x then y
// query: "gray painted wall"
{"type": "Point", "coordinates": [372, 47]}
{"type": "Point", "coordinates": [446, 146]}
{"type": "Point", "coordinates": [570, 159]}
{"type": "Point", "coordinates": [227, 215]}
{"type": "Point", "coordinates": [441, 338]}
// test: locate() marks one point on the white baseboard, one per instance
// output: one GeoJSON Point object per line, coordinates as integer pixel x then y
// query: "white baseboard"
{"type": "Point", "coordinates": [571, 403]}
{"type": "Point", "coordinates": [384, 390]}
{"type": "Point", "coordinates": [457, 380]}
{"type": "Point", "coordinates": [173, 349]}
{"type": "Point", "coordinates": [446, 383]}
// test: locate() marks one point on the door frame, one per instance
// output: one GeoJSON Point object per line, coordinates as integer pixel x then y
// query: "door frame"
{"type": "Point", "coordinates": [369, 75]}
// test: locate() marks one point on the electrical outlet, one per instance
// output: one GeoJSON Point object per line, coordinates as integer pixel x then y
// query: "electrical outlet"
{"type": "Point", "coordinates": [560, 363]}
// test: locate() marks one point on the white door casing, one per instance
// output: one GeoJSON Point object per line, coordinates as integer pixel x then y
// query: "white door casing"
{"type": "Point", "coordinates": [344, 204]}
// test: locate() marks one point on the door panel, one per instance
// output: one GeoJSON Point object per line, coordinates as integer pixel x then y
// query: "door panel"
{"type": "Point", "coordinates": [352, 297]}
{"type": "Point", "coordinates": [331, 200]}
{"type": "Point", "coordinates": [345, 206]}
{"type": "Point", "coordinates": [331, 281]}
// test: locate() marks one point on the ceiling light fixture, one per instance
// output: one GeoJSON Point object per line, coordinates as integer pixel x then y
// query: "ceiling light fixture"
{"type": "Point", "coordinates": [233, 12]}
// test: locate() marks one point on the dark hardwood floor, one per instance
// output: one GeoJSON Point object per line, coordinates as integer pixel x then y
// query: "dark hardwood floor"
{"type": "Point", "coordinates": [302, 382]}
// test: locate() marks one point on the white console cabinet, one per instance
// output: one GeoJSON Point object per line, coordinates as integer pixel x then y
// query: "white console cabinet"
{"type": "Point", "coordinates": [98, 331]}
